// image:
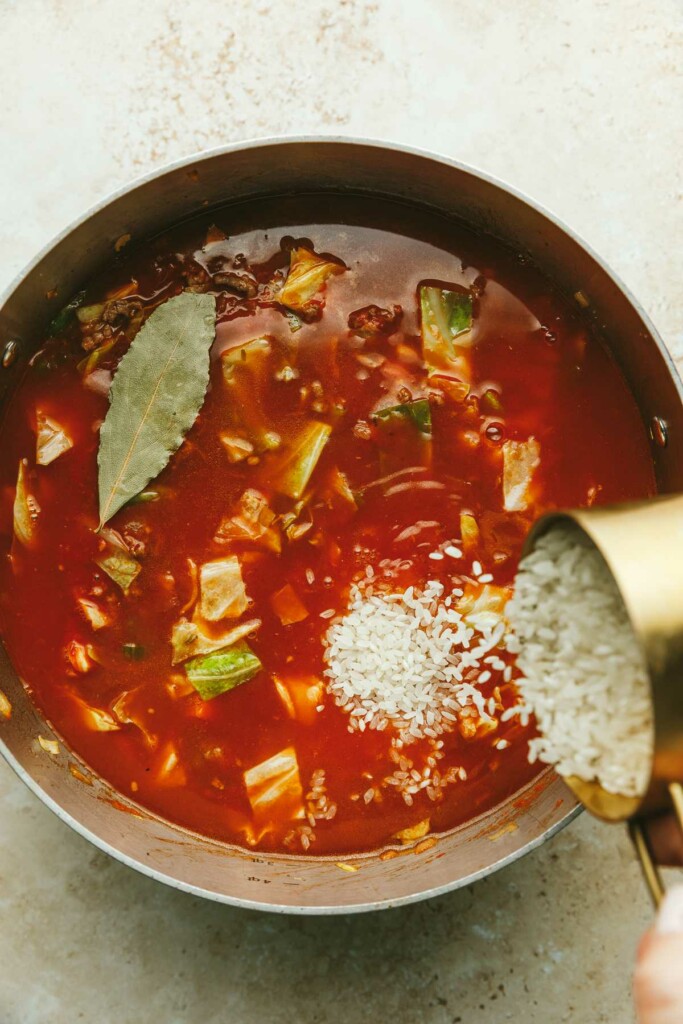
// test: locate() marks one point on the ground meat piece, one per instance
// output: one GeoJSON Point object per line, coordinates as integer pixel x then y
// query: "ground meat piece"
{"type": "Point", "coordinates": [95, 334]}
{"type": "Point", "coordinates": [118, 312]}
{"type": "Point", "coordinates": [195, 278]}
{"type": "Point", "coordinates": [136, 536]}
{"type": "Point", "coordinates": [116, 315]}
{"type": "Point", "coordinates": [371, 320]}
{"type": "Point", "coordinates": [362, 430]}
{"type": "Point", "coordinates": [240, 283]}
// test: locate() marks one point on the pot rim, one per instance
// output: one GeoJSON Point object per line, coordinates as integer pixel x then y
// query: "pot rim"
{"type": "Point", "coordinates": [268, 142]}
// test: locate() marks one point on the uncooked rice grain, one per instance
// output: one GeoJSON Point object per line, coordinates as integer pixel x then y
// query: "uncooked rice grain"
{"type": "Point", "coordinates": [404, 659]}
{"type": "Point", "coordinates": [584, 675]}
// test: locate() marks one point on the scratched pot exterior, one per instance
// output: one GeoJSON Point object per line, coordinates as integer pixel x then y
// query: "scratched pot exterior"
{"type": "Point", "coordinates": [110, 820]}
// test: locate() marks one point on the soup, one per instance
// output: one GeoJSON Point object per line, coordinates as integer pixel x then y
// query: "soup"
{"type": "Point", "coordinates": [285, 628]}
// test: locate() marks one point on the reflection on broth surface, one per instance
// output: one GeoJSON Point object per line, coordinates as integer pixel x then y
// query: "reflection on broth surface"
{"type": "Point", "coordinates": [294, 636]}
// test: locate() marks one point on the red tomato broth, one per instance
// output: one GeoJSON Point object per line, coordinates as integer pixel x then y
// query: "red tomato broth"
{"type": "Point", "coordinates": [555, 381]}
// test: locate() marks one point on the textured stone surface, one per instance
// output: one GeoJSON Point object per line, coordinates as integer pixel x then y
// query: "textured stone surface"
{"type": "Point", "coordinates": [580, 105]}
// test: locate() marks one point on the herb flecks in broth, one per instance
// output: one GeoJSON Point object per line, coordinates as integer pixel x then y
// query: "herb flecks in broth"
{"type": "Point", "coordinates": [290, 631]}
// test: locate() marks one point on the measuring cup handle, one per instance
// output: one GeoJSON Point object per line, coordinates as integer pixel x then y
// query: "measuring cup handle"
{"type": "Point", "coordinates": [651, 872]}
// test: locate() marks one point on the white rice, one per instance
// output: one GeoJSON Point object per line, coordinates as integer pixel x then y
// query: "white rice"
{"type": "Point", "coordinates": [409, 660]}
{"type": "Point", "coordinates": [583, 672]}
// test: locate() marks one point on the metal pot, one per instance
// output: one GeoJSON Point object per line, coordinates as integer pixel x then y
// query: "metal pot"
{"type": "Point", "coordinates": [108, 819]}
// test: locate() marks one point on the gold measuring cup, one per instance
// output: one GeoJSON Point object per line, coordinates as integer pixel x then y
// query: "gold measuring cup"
{"type": "Point", "coordinates": [642, 544]}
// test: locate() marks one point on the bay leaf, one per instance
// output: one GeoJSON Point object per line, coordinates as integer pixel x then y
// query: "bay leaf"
{"type": "Point", "coordinates": [157, 392]}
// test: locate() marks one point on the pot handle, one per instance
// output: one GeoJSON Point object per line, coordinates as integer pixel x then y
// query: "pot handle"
{"type": "Point", "coordinates": [651, 872]}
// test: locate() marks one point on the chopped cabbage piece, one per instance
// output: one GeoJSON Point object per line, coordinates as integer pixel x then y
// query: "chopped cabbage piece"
{"type": "Point", "coordinates": [189, 641]}
{"type": "Point", "coordinates": [213, 674]}
{"type": "Point", "coordinates": [301, 696]}
{"type": "Point", "coordinates": [51, 440]}
{"type": "Point", "coordinates": [246, 374]}
{"type": "Point", "coordinates": [221, 588]}
{"type": "Point", "coordinates": [274, 787]}
{"type": "Point", "coordinates": [96, 616]}
{"type": "Point", "coordinates": [303, 291]}
{"type": "Point", "coordinates": [95, 718]}
{"type": "Point", "coordinates": [252, 523]}
{"type": "Point", "coordinates": [520, 460]}
{"type": "Point", "coordinates": [418, 412]}
{"type": "Point", "coordinates": [294, 468]}
{"type": "Point", "coordinates": [116, 560]}
{"type": "Point", "coordinates": [26, 509]}
{"type": "Point", "coordinates": [446, 322]}
{"type": "Point", "coordinates": [404, 435]}
{"type": "Point", "coordinates": [288, 606]}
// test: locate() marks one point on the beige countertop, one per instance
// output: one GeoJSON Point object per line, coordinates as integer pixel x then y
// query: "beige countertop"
{"type": "Point", "coordinates": [579, 105]}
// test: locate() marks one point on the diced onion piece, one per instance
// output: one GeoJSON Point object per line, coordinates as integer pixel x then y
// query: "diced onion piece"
{"type": "Point", "coordinates": [5, 706]}
{"type": "Point", "coordinates": [413, 832]}
{"type": "Point", "coordinates": [520, 460]}
{"type": "Point", "coordinates": [94, 614]}
{"type": "Point", "coordinates": [288, 606]}
{"type": "Point", "coordinates": [214, 674]}
{"type": "Point", "coordinates": [125, 712]}
{"type": "Point", "coordinates": [51, 440]}
{"type": "Point", "coordinates": [49, 746]}
{"type": "Point", "coordinates": [221, 588]}
{"type": "Point", "coordinates": [301, 696]}
{"type": "Point", "coordinates": [95, 718]}
{"type": "Point", "coordinates": [237, 448]}
{"type": "Point", "coordinates": [249, 354]}
{"type": "Point", "coordinates": [169, 771]}
{"type": "Point", "coordinates": [189, 641]}
{"type": "Point", "coordinates": [294, 468]}
{"type": "Point", "coordinates": [274, 787]}
{"type": "Point", "coordinates": [473, 726]}
{"type": "Point", "coordinates": [469, 532]}
{"type": "Point", "coordinates": [297, 522]}
{"type": "Point", "coordinates": [80, 657]}
{"type": "Point", "coordinates": [252, 523]}
{"type": "Point", "coordinates": [479, 599]}
{"type": "Point", "coordinates": [26, 509]}
{"type": "Point", "coordinates": [303, 289]}
{"type": "Point", "coordinates": [285, 696]}
{"type": "Point", "coordinates": [178, 686]}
